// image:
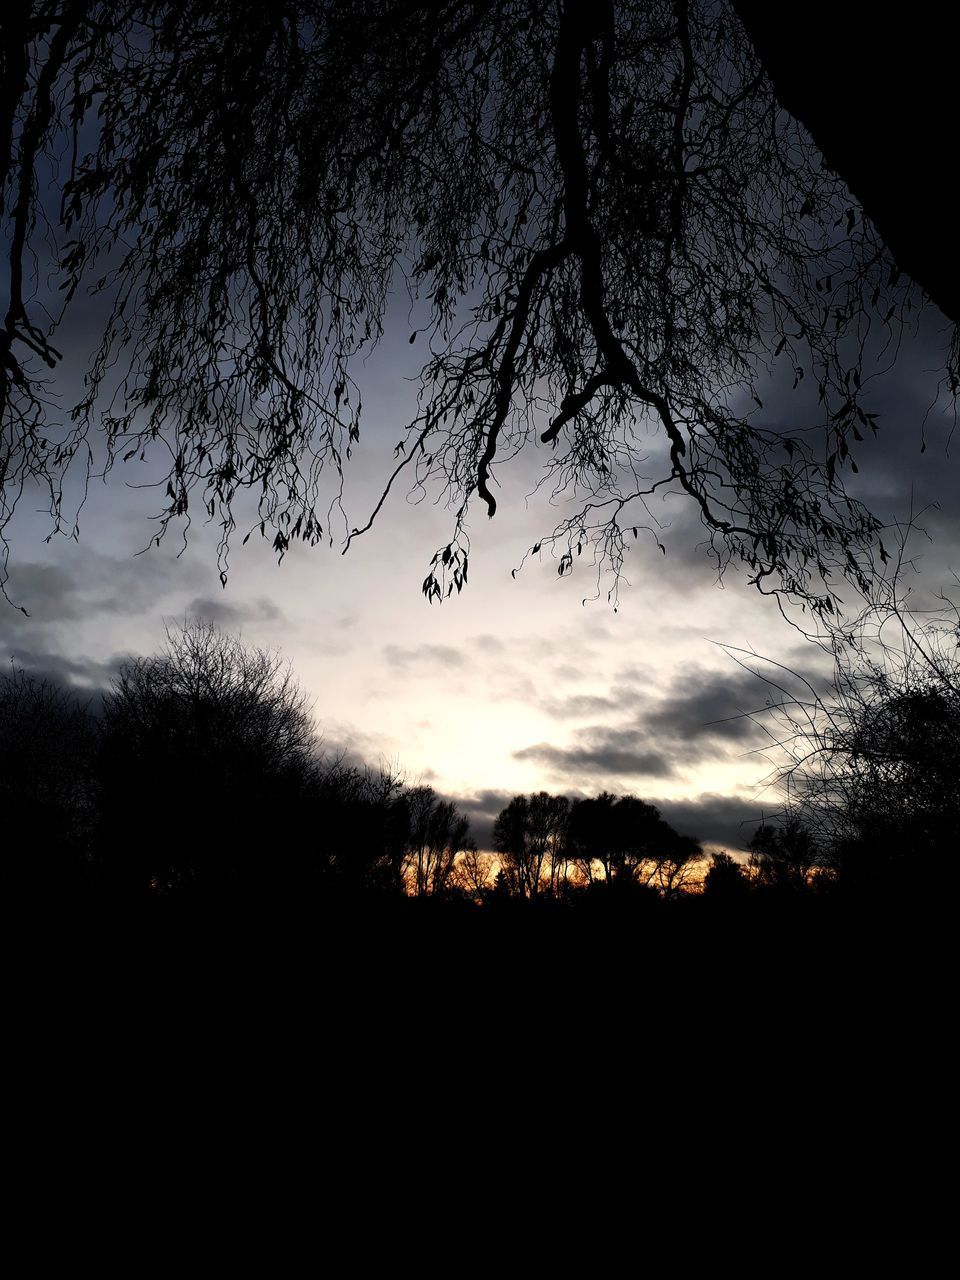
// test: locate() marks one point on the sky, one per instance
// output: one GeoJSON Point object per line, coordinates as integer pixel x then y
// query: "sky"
{"type": "Point", "coordinates": [522, 682]}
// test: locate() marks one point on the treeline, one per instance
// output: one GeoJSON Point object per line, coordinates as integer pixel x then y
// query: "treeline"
{"type": "Point", "coordinates": [198, 778]}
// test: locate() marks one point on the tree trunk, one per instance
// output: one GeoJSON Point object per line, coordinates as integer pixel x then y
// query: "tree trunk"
{"type": "Point", "coordinates": [878, 96]}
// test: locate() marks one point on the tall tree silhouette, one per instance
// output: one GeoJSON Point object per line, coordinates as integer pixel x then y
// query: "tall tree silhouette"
{"type": "Point", "coordinates": [725, 879]}
{"type": "Point", "coordinates": [47, 786]}
{"type": "Point", "coordinates": [783, 856]}
{"type": "Point", "coordinates": [530, 835]}
{"type": "Point", "coordinates": [629, 839]}
{"type": "Point", "coordinates": [611, 227]}
{"type": "Point", "coordinates": [435, 834]}
{"type": "Point", "coordinates": [206, 751]}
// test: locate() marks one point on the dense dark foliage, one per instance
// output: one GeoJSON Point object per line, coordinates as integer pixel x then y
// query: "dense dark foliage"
{"type": "Point", "coordinates": [48, 793]}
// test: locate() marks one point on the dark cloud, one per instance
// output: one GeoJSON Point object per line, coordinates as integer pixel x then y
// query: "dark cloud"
{"type": "Point", "coordinates": [703, 715]}
{"type": "Point", "coordinates": [726, 821]}
{"type": "Point", "coordinates": [794, 672]}
{"type": "Point", "coordinates": [47, 593]}
{"type": "Point", "coordinates": [433, 655]}
{"type": "Point", "coordinates": [487, 802]}
{"type": "Point", "coordinates": [602, 751]}
{"type": "Point", "coordinates": [482, 808]}
{"type": "Point", "coordinates": [708, 704]}
{"type": "Point", "coordinates": [909, 467]}
{"type": "Point", "coordinates": [626, 677]}
{"type": "Point", "coordinates": [578, 704]}
{"type": "Point", "coordinates": [92, 585]}
{"type": "Point", "coordinates": [224, 614]}
{"type": "Point", "coordinates": [686, 561]}
{"type": "Point", "coordinates": [622, 697]}
{"type": "Point", "coordinates": [72, 673]}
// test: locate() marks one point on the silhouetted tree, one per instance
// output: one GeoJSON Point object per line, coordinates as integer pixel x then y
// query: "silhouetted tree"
{"type": "Point", "coordinates": [631, 841]}
{"type": "Point", "coordinates": [473, 873]}
{"type": "Point", "coordinates": [677, 862]}
{"type": "Point", "coordinates": [887, 794]}
{"type": "Point", "coordinates": [47, 786]}
{"type": "Point", "coordinates": [206, 759]}
{"type": "Point", "coordinates": [594, 835]}
{"type": "Point", "coordinates": [870, 764]}
{"type": "Point", "coordinates": [783, 856]}
{"type": "Point", "coordinates": [901, 790]}
{"type": "Point", "coordinates": [435, 834]}
{"type": "Point", "coordinates": [607, 220]}
{"type": "Point", "coordinates": [530, 835]}
{"type": "Point", "coordinates": [725, 879]}
{"type": "Point", "coordinates": [358, 828]}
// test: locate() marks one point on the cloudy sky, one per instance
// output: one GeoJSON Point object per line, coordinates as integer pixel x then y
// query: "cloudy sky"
{"type": "Point", "coordinates": [520, 683]}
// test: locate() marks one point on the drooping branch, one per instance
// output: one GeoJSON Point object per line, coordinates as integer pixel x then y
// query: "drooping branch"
{"type": "Point", "coordinates": [609, 222]}
{"type": "Point", "coordinates": [540, 265]}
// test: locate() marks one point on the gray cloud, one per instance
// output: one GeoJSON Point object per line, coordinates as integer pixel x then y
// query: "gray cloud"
{"type": "Point", "coordinates": [72, 673]}
{"type": "Point", "coordinates": [566, 672]}
{"type": "Point", "coordinates": [92, 584]}
{"type": "Point", "coordinates": [701, 716]}
{"type": "Point", "coordinates": [426, 654]}
{"type": "Point", "coordinates": [576, 705]}
{"type": "Point", "coordinates": [489, 644]}
{"type": "Point", "coordinates": [634, 674]}
{"type": "Point", "coordinates": [46, 592]}
{"type": "Point", "coordinates": [727, 821]}
{"type": "Point", "coordinates": [482, 808]}
{"type": "Point", "coordinates": [602, 751]}
{"type": "Point", "coordinates": [707, 704]}
{"type": "Point", "coordinates": [224, 614]}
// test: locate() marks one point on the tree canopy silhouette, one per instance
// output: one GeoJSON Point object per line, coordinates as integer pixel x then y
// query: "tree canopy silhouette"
{"type": "Point", "coordinates": [47, 785]}
{"type": "Point", "coordinates": [530, 834]}
{"type": "Point", "coordinates": [629, 839]}
{"type": "Point", "coordinates": [868, 765]}
{"type": "Point", "coordinates": [613, 230]}
{"type": "Point", "coordinates": [435, 833]}
{"type": "Point", "coordinates": [206, 750]}
{"type": "Point", "coordinates": [539, 837]}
